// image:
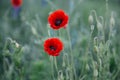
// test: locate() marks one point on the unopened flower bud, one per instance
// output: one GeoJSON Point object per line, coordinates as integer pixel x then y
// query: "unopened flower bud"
{"type": "Point", "coordinates": [99, 26]}
{"type": "Point", "coordinates": [90, 19]}
{"type": "Point", "coordinates": [17, 45]}
{"type": "Point", "coordinates": [95, 73]}
{"type": "Point", "coordinates": [112, 21]}
{"type": "Point", "coordinates": [87, 67]}
{"type": "Point", "coordinates": [92, 27]}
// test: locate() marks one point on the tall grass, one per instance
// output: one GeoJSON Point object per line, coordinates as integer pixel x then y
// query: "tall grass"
{"type": "Point", "coordinates": [91, 43]}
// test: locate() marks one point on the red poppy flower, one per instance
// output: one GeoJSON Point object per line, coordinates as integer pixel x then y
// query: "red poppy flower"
{"type": "Point", "coordinates": [16, 3]}
{"type": "Point", "coordinates": [58, 19]}
{"type": "Point", "coordinates": [53, 46]}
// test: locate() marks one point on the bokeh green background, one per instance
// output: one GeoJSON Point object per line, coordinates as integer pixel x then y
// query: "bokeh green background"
{"type": "Point", "coordinates": [29, 29]}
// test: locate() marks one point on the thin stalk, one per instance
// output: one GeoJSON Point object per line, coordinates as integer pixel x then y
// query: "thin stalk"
{"type": "Point", "coordinates": [51, 58]}
{"type": "Point", "coordinates": [72, 60]}
{"type": "Point", "coordinates": [55, 62]}
{"type": "Point", "coordinates": [52, 67]}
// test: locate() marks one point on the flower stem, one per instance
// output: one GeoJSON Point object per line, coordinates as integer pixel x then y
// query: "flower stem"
{"type": "Point", "coordinates": [72, 58]}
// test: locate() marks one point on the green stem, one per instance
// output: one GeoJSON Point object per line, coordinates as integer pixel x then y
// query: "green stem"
{"type": "Point", "coordinates": [52, 67]}
{"type": "Point", "coordinates": [72, 60]}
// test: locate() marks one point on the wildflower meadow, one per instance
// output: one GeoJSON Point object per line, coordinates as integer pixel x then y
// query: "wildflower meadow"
{"type": "Point", "coordinates": [59, 39]}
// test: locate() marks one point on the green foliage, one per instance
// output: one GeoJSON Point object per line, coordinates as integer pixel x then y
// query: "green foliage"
{"type": "Point", "coordinates": [91, 41]}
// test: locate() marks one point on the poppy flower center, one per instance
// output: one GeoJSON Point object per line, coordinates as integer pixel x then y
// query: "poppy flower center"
{"type": "Point", "coordinates": [52, 48]}
{"type": "Point", "coordinates": [58, 22]}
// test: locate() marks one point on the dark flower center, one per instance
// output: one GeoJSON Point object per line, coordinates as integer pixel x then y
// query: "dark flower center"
{"type": "Point", "coordinates": [58, 22]}
{"type": "Point", "coordinates": [52, 48]}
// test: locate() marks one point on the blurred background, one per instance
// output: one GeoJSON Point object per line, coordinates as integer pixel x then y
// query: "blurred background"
{"type": "Point", "coordinates": [23, 31]}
